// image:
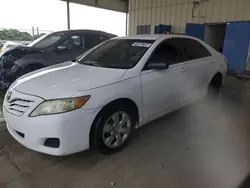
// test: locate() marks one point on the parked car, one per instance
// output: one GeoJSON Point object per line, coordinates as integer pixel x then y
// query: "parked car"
{"type": "Point", "coordinates": [99, 99]}
{"type": "Point", "coordinates": [18, 59]}
{"type": "Point", "coordinates": [10, 45]}
{"type": "Point", "coordinates": [1, 45]}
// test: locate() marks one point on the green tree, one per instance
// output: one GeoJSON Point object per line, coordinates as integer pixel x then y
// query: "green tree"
{"type": "Point", "coordinates": [14, 34]}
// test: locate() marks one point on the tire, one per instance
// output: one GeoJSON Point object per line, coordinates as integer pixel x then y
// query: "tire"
{"type": "Point", "coordinates": [213, 91]}
{"type": "Point", "coordinates": [108, 126]}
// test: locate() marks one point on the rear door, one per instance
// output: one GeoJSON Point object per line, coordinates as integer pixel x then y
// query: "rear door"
{"type": "Point", "coordinates": [199, 66]}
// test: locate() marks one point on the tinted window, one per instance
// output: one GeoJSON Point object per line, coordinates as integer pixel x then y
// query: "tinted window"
{"type": "Point", "coordinates": [46, 41]}
{"type": "Point", "coordinates": [169, 51]}
{"type": "Point", "coordinates": [74, 42]}
{"type": "Point", "coordinates": [194, 49]}
{"type": "Point", "coordinates": [120, 53]}
{"type": "Point", "coordinates": [92, 39]}
{"type": "Point", "coordinates": [104, 37]}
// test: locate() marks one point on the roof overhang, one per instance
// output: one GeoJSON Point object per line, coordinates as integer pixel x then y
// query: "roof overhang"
{"type": "Point", "coordinates": [116, 5]}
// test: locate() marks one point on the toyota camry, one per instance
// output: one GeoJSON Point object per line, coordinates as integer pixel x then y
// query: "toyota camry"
{"type": "Point", "coordinates": [99, 99]}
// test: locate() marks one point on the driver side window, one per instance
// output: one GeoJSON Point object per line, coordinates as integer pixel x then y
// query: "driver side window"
{"type": "Point", "coordinates": [168, 52]}
{"type": "Point", "coordinates": [74, 42]}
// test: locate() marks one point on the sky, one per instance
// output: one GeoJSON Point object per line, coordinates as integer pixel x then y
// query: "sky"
{"type": "Point", "coordinates": [51, 15]}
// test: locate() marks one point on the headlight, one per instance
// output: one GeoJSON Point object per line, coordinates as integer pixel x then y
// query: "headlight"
{"type": "Point", "coordinates": [59, 106]}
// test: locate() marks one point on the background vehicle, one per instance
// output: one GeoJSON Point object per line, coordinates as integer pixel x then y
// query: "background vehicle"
{"type": "Point", "coordinates": [1, 45]}
{"type": "Point", "coordinates": [9, 44]}
{"type": "Point", "coordinates": [48, 50]}
{"type": "Point", "coordinates": [98, 100]}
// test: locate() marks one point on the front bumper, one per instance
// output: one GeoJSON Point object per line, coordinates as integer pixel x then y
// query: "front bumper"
{"type": "Point", "coordinates": [71, 128]}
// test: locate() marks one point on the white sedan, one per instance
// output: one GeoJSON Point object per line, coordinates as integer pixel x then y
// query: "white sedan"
{"type": "Point", "coordinates": [99, 99]}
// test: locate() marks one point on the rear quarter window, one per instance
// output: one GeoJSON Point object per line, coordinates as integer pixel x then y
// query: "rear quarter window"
{"type": "Point", "coordinates": [92, 39]}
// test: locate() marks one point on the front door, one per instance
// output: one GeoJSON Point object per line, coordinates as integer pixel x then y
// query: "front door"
{"type": "Point", "coordinates": [162, 90]}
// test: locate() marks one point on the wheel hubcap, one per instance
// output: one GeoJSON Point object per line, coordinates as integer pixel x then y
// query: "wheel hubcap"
{"type": "Point", "coordinates": [116, 129]}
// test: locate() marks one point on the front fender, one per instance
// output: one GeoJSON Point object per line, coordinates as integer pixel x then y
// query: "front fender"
{"type": "Point", "coordinates": [101, 96]}
{"type": "Point", "coordinates": [26, 62]}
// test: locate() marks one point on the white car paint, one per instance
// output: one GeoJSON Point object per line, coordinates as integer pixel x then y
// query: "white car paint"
{"type": "Point", "coordinates": [155, 92]}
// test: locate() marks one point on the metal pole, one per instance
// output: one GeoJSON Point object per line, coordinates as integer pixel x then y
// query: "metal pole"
{"type": "Point", "coordinates": [68, 14]}
{"type": "Point", "coordinates": [33, 32]}
{"type": "Point", "coordinates": [126, 24]}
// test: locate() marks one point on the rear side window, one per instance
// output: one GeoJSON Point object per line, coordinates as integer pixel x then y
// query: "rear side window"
{"type": "Point", "coordinates": [104, 38]}
{"type": "Point", "coordinates": [92, 39]}
{"type": "Point", "coordinates": [194, 49]}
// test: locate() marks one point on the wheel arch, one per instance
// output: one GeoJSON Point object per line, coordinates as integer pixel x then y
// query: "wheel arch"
{"type": "Point", "coordinates": [120, 101]}
{"type": "Point", "coordinates": [36, 64]}
{"type": "Point", "coordinates": [217, 79]}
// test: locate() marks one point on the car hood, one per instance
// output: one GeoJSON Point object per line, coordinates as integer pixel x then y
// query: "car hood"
{"type": "Point", "coordinates": [21, 49]}
{"type": "Point", "coordinates": [65, 79]}
{"type": "Point", "coordinates": [14, 53]}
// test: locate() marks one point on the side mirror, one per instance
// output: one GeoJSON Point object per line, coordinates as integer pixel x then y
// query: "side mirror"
{"type": "Point", "coordinates": [157, 66]}
{"type": "Point", "coordinates": [61, 48]}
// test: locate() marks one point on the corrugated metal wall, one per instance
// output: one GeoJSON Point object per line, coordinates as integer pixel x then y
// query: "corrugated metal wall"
{"type": "Point", "coordinates": [179, 12]}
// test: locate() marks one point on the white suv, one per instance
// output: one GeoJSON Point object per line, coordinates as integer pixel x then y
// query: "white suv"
{"type": "Point", "coordinates": [101, 97]}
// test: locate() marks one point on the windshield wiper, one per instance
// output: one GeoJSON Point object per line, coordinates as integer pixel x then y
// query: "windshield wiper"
{"type": "Point", "coordinates": [91, 63]}
{"type": "Point", "coordinates": [75, 60]}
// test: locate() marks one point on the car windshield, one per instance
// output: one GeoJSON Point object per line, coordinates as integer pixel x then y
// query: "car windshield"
{"type": "Point", "coordinates": [118, 53]}
{"type": "Point", "coordinates": [46, 40]}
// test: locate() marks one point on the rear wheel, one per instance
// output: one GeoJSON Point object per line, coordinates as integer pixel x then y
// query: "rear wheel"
{"type": "Point", "coordinates": [113, 129]}
{"type": "Point", "coordinates": [214, 86]}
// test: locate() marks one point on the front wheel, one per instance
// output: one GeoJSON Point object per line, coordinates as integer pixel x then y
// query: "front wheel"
{"type": "Point", "coordinates": [113, 129]}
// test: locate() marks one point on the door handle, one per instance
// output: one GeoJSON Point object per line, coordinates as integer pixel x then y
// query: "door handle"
{"type": "Point", "coordinates": [183, 69]}
{"type": "Point", "coordinates": [213, 61]}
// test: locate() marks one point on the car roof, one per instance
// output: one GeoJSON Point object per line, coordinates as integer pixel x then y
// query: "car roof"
{"type": "Point", "coordinates": [154, 36]}
{"type": "Point", "coordinates": [142, 37]}
{"type": "Point", "coordinates": [85, 31]}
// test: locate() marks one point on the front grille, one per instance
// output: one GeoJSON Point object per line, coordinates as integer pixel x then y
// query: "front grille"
{"type": "Point", "coordinates": [17, 105]}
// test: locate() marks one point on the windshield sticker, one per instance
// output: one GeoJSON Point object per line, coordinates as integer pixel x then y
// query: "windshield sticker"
{"type": "Point", "coordinates": [142, 44]}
